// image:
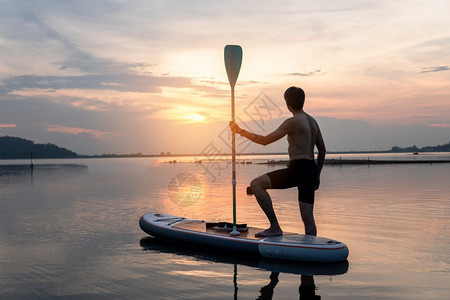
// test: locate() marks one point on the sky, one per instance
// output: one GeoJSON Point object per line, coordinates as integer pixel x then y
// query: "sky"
{"type": "Point", "coordinates": [148, 77]}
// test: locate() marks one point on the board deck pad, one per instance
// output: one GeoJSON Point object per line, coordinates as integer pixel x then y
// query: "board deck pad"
{"type": "Point", "coordinates": [200, 226]}
{"type": "Point", "coordinates": [287, 237]}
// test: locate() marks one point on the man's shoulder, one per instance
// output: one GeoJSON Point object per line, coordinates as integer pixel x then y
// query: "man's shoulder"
{"type": "Point", "coordinates": [311, 118]}
{"type": "Point", "coordinates": [303, 116]}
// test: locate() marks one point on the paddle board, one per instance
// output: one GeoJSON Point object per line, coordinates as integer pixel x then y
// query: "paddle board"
{"type": "Point", "coordinates": [289, 246]}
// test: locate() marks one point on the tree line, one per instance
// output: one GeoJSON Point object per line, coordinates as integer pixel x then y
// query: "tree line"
{"type": "Point", "coordinates": [18, 148]}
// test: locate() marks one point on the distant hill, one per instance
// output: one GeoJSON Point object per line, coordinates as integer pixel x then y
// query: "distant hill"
{"type": "Point", "coordinates": [18, 148]}
{"type": "Point", "coordinates": [438, 148]}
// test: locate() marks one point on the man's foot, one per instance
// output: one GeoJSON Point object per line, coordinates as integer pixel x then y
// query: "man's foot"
{"type": "Point", "coordinates": [269, 232]}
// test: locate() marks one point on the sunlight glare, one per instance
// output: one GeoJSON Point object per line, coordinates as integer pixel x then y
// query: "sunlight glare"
{"type": "Point", "coordinates": [194, 118]}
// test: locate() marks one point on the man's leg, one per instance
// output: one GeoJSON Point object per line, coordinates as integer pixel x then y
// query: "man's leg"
{"type": "Point", "coordinates": [259, 186]}
{"type": "Point", "coordinates": [306, 210]}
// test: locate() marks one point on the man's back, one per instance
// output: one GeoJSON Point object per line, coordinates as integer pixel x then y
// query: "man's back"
{"type": "Point", "coordinates": [302, 136]}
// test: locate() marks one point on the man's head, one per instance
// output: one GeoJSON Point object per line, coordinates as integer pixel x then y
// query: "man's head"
{"type": "Point", "coordinates": [295, 97]}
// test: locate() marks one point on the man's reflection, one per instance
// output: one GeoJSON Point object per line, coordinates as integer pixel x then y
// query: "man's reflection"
{"type": "Point", "coordinates": [267, 291]}
{"type": "Point", "coordinates": [306, 290]}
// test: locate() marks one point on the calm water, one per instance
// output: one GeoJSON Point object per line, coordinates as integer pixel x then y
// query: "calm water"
{"type": "Point", "coordinates": [69, 229]}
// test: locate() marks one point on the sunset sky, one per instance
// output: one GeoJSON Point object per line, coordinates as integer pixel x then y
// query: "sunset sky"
{"type": "Point", "coordinates": [148, 76]}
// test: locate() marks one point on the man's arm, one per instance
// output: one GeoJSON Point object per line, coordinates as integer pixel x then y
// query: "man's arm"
{"type": "Point", "coordinates": [320, 144]}
{"type": "Point", "coordinates": [264, 140]}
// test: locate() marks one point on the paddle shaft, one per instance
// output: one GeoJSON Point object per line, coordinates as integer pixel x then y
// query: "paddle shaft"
{"type": "Point", "coordinates": [233, 159]}
{"type": "Point", "coordinates": [233, 60]}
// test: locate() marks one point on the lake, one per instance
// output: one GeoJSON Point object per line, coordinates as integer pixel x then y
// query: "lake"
{"type": "Point", "coordinates": [69, 229]}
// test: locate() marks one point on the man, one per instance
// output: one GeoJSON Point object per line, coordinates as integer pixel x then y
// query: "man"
{"type": "Point", "coordinates": [303, 134]}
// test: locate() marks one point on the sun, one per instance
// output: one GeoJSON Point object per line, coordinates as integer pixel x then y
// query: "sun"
{"type": "Point", "coordinates": [194, 118]}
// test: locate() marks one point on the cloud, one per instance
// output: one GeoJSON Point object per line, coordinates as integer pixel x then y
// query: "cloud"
{"type": "Point", "coordinates": [46, 39]}
{"type": "Point", "coordinates": [119, 82]}
{"type": "Point", "coordinates": [440, 125]}
{"type": "Point", "coordinates": [312, 73]}
{"type": "Point", "coordinates": [423, 117]}
{"type": "Point", "coordinates": [75, 131]}
{"type": "Point", "coordinates": [435, 69]}
{"type": "Point", "coordinates": [8, 125]}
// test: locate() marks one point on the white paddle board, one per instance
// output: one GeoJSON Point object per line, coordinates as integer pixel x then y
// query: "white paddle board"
{"type": "Point", "coordinates": [289, 246]}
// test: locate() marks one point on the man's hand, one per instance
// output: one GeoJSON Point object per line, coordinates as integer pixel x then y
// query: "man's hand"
{"type": "Point", "coordinates": [235, 127]}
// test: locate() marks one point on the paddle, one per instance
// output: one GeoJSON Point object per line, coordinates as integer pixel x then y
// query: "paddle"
{"type": "Point", "coordinates": [233, 61]}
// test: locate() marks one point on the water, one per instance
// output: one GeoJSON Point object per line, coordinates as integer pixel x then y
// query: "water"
{"type": "Point", "coordinates": [69, 229]}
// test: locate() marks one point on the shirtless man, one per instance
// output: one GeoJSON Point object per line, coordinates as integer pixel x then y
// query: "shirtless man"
{"type": "Point", "coordinates": [303, 134]}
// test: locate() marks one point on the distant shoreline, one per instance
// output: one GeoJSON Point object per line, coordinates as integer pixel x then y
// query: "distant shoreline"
{"type": "Point", "coordinates": [370, 162]}
{"type": "Point", "coordinates": [222, 155]}
{"type": "Point", "coordinates": [201, 158]}
{"type": "Point", "coordinates": [251, 154]}
{"type": "Point", "coordinates": [198, 159]}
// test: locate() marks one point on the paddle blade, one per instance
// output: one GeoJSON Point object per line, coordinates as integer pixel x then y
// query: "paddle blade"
{"type": "Point", "coordinates": [233, 61]}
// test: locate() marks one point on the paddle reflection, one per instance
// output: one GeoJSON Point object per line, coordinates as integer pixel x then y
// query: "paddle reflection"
{"type": "Point", "coordinates": [306, 270]}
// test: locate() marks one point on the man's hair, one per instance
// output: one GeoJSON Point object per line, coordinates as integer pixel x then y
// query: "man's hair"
{"type": "Point", "coordinates": [295, 97]}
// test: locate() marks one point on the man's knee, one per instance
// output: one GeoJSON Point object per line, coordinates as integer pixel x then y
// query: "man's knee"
{"type": "Point", "coordinates": [255, 183]}
{"type": "Point", "coordinates": [261, 182]}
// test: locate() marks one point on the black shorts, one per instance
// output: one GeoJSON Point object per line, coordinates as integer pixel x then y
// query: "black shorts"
{"type": "Point", "coordinates": [301, 173]}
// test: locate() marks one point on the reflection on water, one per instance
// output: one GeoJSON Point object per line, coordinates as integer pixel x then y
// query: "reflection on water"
{"type": "Point", "coordinates": [306, 270]}
{"type": "Point", "coordinates": [13, 173]}
{"type": "Point", "coordinates": [306, 290]}
{"type": "Point", "coordinates": [72, 232]}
